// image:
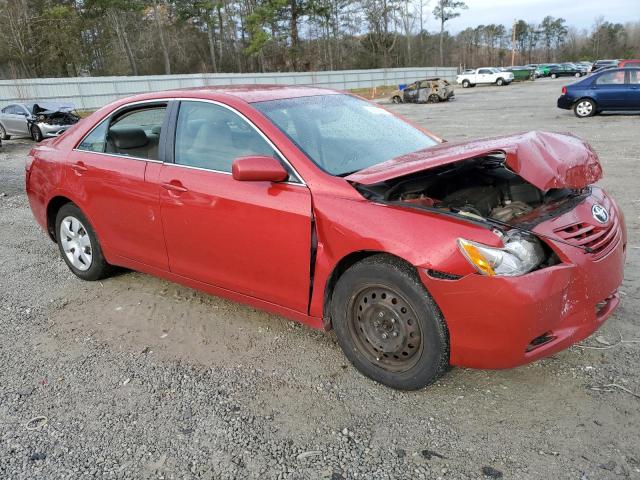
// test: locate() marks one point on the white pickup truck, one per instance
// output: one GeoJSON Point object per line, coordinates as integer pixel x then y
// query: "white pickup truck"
{"type": "Point", "coordinates": [471, 78]}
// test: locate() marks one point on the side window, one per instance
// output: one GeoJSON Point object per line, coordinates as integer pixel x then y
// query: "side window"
{"type": "Point", "coordinates": [212, 137]}
{"type": "Point", "coordinates": [611, 78]}
{"type": "Point", "coordinates": [96, 141]}
{"type": "Point", "coordinates": [484, 71]}
{"type": "Point", "coordinates": [136, 133]}
{"type": "Point", "coordinates": [634, 77]}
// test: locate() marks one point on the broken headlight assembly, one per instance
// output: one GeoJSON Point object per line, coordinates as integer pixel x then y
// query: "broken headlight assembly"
{"type": "Point", "coordinates": [520, 254]}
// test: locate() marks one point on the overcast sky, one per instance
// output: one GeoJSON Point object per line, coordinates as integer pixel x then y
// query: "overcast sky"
{"type": "Point", "coordinates": [579, 13]}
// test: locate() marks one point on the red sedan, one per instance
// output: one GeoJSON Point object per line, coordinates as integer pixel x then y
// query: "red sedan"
{"type": "Point", "coordinates": [328, 209]}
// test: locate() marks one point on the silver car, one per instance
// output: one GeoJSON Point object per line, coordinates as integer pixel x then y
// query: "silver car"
{"type": "Point", "coordinates": [36, 120]}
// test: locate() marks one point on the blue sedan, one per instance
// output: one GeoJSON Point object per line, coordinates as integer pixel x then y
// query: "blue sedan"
{"type": "Point", "coordinates": [614, 89]}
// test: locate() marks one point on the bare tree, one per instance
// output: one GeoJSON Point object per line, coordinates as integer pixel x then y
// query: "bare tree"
{"type": "Point", "coordinates": [447, 10]}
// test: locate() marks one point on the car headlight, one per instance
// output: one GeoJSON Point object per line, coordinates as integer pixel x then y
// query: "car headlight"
{"type": "Point", "coordinates": [520, 255]}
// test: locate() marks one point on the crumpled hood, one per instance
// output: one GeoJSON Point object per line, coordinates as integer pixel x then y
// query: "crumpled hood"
{"type": "Point", "coordinates": [545, 159]}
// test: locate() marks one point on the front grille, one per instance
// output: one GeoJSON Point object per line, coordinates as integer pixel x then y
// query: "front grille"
{"type": "Point", "coordinates": [598, 238]}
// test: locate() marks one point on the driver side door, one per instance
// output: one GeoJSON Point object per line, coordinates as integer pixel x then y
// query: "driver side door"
{"type": "Point", "coordinates": [15, 120]}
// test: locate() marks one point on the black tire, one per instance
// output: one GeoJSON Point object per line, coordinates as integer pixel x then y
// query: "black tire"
{"type": "Point", "coordinates": [585, 107]}
{"type": "Point", "coordinates": [418, 352]}
{"type": "Point", "coordinates": [466, 84]}
{"type": "Point", "coordinates": [578, 75]}
{"type": "Point", "coordinates": [553, 75]}
{"type": "Point", "coordinates": [98, 266]}
{"type": "Point", "coordinates": [36, 133]}
{"type": "Point", "coordinates": [3, 134]}
{"type": "Point", "coordinates": [499, 82]}
{"type": "Point", "coordinates": [396, 99]}
{"type": "Point", "coordinates": [433, 98]}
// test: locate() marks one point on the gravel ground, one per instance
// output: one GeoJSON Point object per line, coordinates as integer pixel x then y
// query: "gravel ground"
{"type": "Point", "coordinates": [135, 377]}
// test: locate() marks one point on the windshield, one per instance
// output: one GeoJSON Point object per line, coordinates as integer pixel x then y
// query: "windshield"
{"type": "Point", "coordinates": [343, 134]}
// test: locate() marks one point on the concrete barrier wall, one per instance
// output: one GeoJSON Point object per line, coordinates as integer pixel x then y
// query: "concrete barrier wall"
{"type": "Point", "coordinates": [94, 92]}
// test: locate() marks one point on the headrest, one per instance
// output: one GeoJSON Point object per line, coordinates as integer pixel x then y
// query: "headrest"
{"type": "Point", "coordinates": [125, 138]}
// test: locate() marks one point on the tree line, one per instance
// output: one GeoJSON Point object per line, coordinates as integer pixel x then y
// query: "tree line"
{"type": "Point", "coordinates": [59, 38]}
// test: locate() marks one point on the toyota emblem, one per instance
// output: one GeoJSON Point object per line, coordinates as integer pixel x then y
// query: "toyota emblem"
{"type": "Point", "coordinates": [600, 213]}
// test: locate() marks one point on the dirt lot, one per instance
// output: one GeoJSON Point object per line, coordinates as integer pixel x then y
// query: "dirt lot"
{"type": "Point", "coordinates": [141, 378]}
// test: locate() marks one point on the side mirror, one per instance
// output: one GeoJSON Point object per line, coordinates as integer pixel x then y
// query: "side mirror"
{"type": "Point", "coordinates": [258, 168]}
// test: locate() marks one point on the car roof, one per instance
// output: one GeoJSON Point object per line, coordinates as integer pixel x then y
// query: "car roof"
{"type": "Point", "coordinates": [247, 93]}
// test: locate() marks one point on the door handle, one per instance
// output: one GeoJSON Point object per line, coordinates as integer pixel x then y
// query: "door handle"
{"type": "Point", "coordinates": [79, 168]}
{"type": "Point", "coordinates": [175, 186]}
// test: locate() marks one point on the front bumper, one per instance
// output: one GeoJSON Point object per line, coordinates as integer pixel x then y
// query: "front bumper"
{"type": "Point", "coordinates": [49, 131]}
{"type": "Point", "coordinates": [565, 102]}
{"type": "Point", "coordinates": [504, 322]}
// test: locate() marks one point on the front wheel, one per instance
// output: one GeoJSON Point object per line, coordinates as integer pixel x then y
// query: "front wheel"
{"type": "Point", "coordinates": [79, 244]}
{"type": "Point", "coordinates": [433, 98]}
{"type": "Point", "coordinates": [387, 324]}
{"type": "Point", "coordinates": [3, 134]}
{"type": "Point", "coordinates": [577, 75]}
{"type": "Point", "coordinates": [584, 108]}
{"type": "Point", "coordinates": [36, 133]}
{"type": "Point", "coordinates": [553, 75]}
{"type": "Point", "coordinates": [396, 99]}
{"type": "Point", "coordinates": [500, 82]}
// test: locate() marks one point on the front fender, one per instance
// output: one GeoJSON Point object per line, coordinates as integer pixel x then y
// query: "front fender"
{"type": "Point", "coordinates": [424, 239]}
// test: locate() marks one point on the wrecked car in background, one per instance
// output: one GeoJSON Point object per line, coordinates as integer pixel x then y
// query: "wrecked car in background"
{"type": "Point", "coordinates": [36, 120]}
{"type": "Point", "coordinates": [328, 209]}
{"type": "Point", "coordinates": [430, 90]}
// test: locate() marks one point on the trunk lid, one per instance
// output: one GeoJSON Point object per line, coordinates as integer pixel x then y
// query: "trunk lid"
{"type": "Point", "coordinates": [547, 160]}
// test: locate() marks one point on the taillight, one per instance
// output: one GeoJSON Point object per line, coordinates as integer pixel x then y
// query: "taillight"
{"type": "Point", "coordinates": [564, 90]}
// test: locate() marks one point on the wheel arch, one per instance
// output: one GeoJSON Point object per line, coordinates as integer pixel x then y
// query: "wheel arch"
{"type": "Point", "coordinates": [53, 207]}
{"type": "Point", "coordinates": [341, 267]}
{"type": "Point", "coordinates": [584, 97]}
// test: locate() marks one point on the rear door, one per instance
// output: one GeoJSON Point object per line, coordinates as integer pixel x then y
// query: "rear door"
{"type": "Point", "coordinates": [252, 238]}
{"type": "Point", "coordinates": [107, 173]}
{"type": "Point", "coordinates": [610, 90]}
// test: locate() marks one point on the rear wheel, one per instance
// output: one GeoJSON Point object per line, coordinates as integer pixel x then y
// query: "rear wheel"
{"type": "Point", "coordinates": [433, 98]}
{"type": "Point", "coordinates": [396, 99]}
{"type": "Point", "coordinates": [3, 134]}
{"type": "Point", "coordinates": [466, 84]}
{"type": "Point", "coordinates": [387, 324]}
{"type": "Point", "coordinates": [553, 75]}
{"type": "Point", "coordinates": [584, 107]}
{"type": "Point", "coordinates": [36, 133]}
{"type": "Point", "coordinates": [79, 244]}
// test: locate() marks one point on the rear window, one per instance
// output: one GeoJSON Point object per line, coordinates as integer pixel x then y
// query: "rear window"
{"type": "Point", "coordinates": [611, 78]}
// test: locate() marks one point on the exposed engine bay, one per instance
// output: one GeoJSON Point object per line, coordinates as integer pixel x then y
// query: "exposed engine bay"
{"type": "Point", "coordinates": [53, 114]}
{"type": "Point", "coordinates": [482, 187]}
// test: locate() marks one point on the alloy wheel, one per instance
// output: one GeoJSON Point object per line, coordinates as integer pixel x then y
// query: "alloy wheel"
{"type": "Point", "coordinates": [384, 328]}
{"type": "Point", "coordinates": [36, 134]}
{"type": "Point", "coordinates": [76, 243]}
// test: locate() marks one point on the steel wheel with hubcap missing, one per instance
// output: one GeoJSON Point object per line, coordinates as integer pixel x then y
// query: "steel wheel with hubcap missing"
{"type": "Point", "coordinates": [584, 108]}
{"type": "Point", "coordinates": [76, 243]}
{"type": "Point", "coordinates": [384, 328]}
{"type": "Point", "coordinates": [387, 324]}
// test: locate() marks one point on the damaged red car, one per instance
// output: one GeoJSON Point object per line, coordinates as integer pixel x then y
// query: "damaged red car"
{"type": "Point", "coordinates": [330, 210]}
